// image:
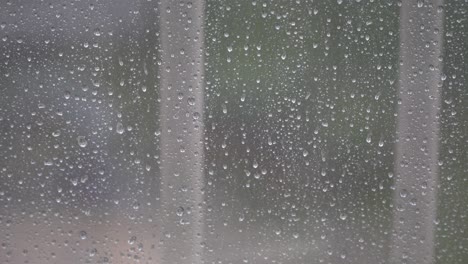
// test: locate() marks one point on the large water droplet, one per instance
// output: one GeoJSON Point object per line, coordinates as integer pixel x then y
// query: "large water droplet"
{"type": "Point", "coordinates": [180, 211]}
{"type": "Point", "coordinates": [83, 235]}
{"type": "Point", "coordinates": [82, 142]}
{"type": "Point", "coordinates": [120, 128]}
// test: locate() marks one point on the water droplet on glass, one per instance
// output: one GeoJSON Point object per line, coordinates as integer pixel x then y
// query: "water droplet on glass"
{"type": "Point", "coordinates": [82, 142]}
{"type": "Point", "coordinates": [255, 164]}
{"type": "Point", "coordinates": [224, 109]}
{"type": "Point", "coordinates": [381, 142]}
{"type": "Point", "coordinates": [83, 235]}
{"type": "Point", "coordinates": [420, 3]}
{"type": "Point", "coordinates": [120, 128]}
{"type": "Point", "coordinates": [56, 133]}
{"type": "Point", "coordinates": [180, 211]}
{"type": "Point", "coordinates": [241, 218]}
{"type": "Point", "coordinates": [132, 240]}
{"type": "Point", "coordinates": [403, 193]}
{"type": "Point", "coordinates": [343, 216]}
{"type": "Point", "coordinates": [97, 32]}
{"type": "Point", "coordinates": [191, 101]}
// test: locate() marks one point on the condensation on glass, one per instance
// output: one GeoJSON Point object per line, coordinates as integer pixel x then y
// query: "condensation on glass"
{"type": "Point", "coordinates": [210, 131]}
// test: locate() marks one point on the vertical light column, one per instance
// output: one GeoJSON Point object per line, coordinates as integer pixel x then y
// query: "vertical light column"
{"type": "Point", "coordinates": [181, 119]}
{"type": "Point", "coordinates": [417, 147]}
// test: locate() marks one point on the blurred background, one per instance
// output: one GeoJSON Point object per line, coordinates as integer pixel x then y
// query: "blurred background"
{"type": "Point", "coordinates": [299, 131]}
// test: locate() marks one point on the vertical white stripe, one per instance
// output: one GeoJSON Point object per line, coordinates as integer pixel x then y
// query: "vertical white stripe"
{"type": "Point", "coordinates": [416, 164]}
{"type": "Point", "coordinates": [182, 130]}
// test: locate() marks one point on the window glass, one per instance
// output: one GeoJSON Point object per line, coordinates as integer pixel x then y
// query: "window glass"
{"type": "Point", "coordinates": [235, 131]}
{"type": "Point", "coordinates": [300, 121]}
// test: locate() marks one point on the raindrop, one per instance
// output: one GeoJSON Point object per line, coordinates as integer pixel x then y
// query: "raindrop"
{"type": "Point", "coordinates": [255, 164]}
{"type": "Point", "coordinates": [381, 142]}
{"type": "Point", "coordinates": [82, 142]}
{"type": "Point", "coordinates": [224, 109]}
{"type": "Point", "coordinates": [97, 32]}
{"type": "Point", "coordinates": [191, 101]}
{"type": "Point", "coordinates": [420, 3]}
{"type": "Point", "coordinates": [343, 216]}
{"type": "Point", "coordinates": [120, 128]}
{"type": "Point", "coordinates": [132, 240]}
{"type": "Point", "coordinates": [83, 235]}
{"type": "Point", "coordinates": [180, 211]}
{"type": "Point", "coordinates": [74, 181]}
{"type": "Point", "coordinates": [84, 178]}
{"type": "Point", "coordinates": [403, 193]}
{"type": "Point", "coordinates": [56, 133]}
